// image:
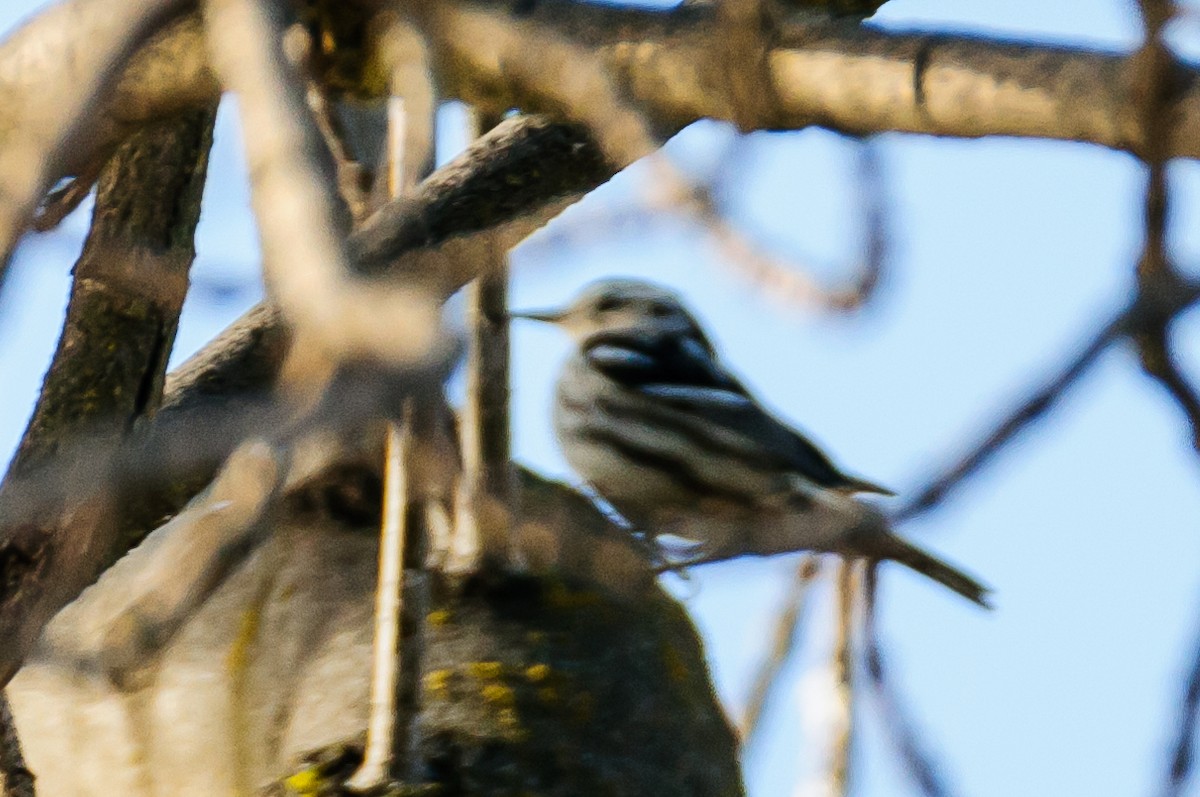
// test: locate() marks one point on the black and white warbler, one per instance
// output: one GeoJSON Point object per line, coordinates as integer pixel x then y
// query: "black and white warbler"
{"type": "Point", "coordinates": [646, 414]}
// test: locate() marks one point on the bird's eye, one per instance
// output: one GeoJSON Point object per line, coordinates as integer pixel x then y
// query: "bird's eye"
{"type": "Point", "coordinates": [608, 304]}
{"type": "Point", "coordinates": [660, 310]}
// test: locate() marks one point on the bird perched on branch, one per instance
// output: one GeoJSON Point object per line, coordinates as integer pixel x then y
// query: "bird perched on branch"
{"type": "Point", "coordinates": [649, 417]}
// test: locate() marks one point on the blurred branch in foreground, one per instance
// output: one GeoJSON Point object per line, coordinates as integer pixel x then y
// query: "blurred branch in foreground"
{"type": "Point", "coordinates": [43, 125]}
{"type": "Point", "coordinates": [783, 278]}
{"type": "Point", "coordinates": [301, 219]}
{"type": "Point", "coordinates": [391, 753]}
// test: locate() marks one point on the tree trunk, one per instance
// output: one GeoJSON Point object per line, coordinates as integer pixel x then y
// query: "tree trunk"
{"type": "Point", "coordinates": [551, 683]}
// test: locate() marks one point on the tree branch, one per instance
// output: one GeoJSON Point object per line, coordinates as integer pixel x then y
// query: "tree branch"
{"type": "Point", "coordinates": [182, 564]}
{"type": "Point", "coordinates": [1143, 309]}
{"type": "Point", "coordinates": [785, 639]}
{"type": "Point", "coordinates": [106, 376]}
{"type": "Point", "coordinates": [48, 94]}
{"type": "Point", "coordinates": [1157, 277]}
{"type": "Point", "coordinates": [848, 596]}
{"type": "Point", "coordinates": [838, 74]}
{"type": "Point", "coordinates": [935, 489]}
{"type": "Point", "coordinates": [301, 223]}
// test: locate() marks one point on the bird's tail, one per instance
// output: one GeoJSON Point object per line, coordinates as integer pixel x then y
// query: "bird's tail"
{"type": "Point", "coordinates": [928, 565]}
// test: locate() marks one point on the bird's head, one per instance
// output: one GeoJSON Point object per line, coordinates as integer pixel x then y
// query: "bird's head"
{"type": "Point", "coordinates": [621, 305]}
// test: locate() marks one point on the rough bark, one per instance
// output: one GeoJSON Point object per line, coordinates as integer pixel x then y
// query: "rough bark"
{"type": "Point", "coordinates": [49, 95]}
{"type": "Point", "coordinates": [553, 683]}
{"type": "Point", "coordinates": [106, 376]}
{"type": "Point", "coordinates": [670, 65]}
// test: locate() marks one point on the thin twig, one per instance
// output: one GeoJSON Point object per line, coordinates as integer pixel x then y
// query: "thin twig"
{"type": "Point", "coordinates": [413, 106]}
{"type": "Point", "coordinates": [1159, 361]}
{"type": "Point", "coordinates": [482, 517]}
{"type": "Point", "coordinates": [1040, 400]}
{"type": "Point", "coordinates": [351, 174]}
{"type": "Point", "coordinates": [913, 753]}
{"type": "Point", "coordinates": [782, 278]}
{"type": "Point", "coordinates": [387, 753]}
{"type": "Point", "coordinates": [848, 595]}
{"type": "Point", "coordinates": [483, 504]}
{"type": "Point", "coordinates": [785, 639]}
{"type": "Point", "coordinates": [1043, 398]}
{"type": "Point", "coordinates": [1182, 754]}
{"type": "Point", "coordinates": [392, 733]}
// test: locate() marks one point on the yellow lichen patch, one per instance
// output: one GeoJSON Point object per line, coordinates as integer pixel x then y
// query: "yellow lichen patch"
{"type": "Point", "coordinates": [328, 43]}
{"type": "Point", "coordinates": [438, 618]}
{"type": "Point", "coordinates": [305, 783]}
{"type": "Point", "coordinates": [548, 694]}
{"type": "Point", "coordinates": [235, 661]}
{"type": "Point", "coordinates": [536, 673]}
{"type": "Point", "coordinates": [437, 681]}
{"type": "Point", "coordinates": [511, 724]}
{"type": "Point", "coordinates": [499, 694]}
{"type": "Point", "coordinates": [486, 670]}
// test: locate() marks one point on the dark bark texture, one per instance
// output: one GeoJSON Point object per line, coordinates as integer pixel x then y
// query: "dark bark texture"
{"type": "Point", "coordinates": [107, 374]}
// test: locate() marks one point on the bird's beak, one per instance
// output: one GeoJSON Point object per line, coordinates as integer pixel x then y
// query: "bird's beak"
{"type": "Point", "coordinates": [546, 316]}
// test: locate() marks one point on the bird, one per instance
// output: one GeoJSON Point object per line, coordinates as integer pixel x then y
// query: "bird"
{"type": "Point", "coordinates": [649, 417]}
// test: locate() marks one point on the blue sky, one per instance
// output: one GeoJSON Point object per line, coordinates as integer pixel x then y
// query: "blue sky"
{"type": "Point", "coordinates": [1007, 254]}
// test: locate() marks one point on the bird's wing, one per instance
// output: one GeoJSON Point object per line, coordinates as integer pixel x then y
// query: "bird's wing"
{"type": "Point", "coordinates": [683, 374]}
{"type": "Point", "coordinates": [640, 361]}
